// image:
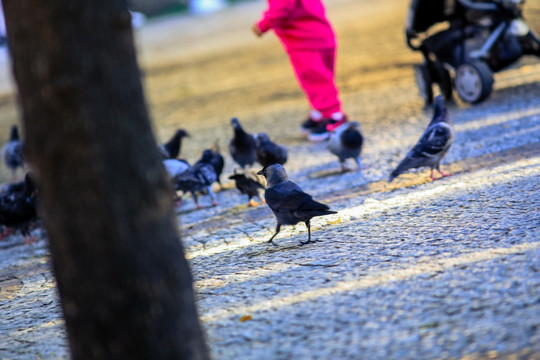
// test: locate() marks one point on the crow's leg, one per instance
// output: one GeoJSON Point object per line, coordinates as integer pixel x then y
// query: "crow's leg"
{"type": "Point", "coordinates": [309, 241]}
{"type": "Point", "coordinates": [278, 228]}
{"type": "Point", "coordinates": [212, 195]}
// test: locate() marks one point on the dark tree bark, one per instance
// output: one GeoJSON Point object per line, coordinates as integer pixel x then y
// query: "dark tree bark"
{"type": "Point", "coordinates": [125, 286]}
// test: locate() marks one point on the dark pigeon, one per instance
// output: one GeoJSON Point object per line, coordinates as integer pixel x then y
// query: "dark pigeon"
{"type": "Point", "coordinates": [242, 146]}
{"type": "Point", "coordinates": [346, 143]}
{"type": "Point", "coordinates": [18, 208]}
{"type": "Point", "coordinates": [198, 178]}
{"type": "Point", "coordinates": [248, 186]}
{"type": "Point", "coordinates": [12, 152]}
{"type": "Point", "coordinates": [433, 144]}
{"type": "Point", "coordinates": [171, 149]}
{"type": "Point", "coordinates": [269, 153]}
{"type": "Point", "coordinates": [289, 203]}
{"type": "Point", "coordinates": [214, 158]}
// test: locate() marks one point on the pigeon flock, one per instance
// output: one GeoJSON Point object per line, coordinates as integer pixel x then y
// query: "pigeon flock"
{"type": "Point", "coordinates": [289, 203]}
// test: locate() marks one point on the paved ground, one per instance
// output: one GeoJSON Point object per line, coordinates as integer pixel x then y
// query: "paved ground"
{"type": "Point", "coordinates": [414, 269]}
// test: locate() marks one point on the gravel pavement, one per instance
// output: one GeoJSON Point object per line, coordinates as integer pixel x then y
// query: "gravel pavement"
{"type": "Point", "coordinates": [414, 269]}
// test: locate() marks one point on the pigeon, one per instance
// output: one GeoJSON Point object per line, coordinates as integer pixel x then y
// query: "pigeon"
{"type": "Point", "coordinates": [289, 203]}
{"type": "Point", "coordinates": [175, 167]}
{"type": "Point", "coordinates": [346, 142]}
{"type": "Point", "coordinates": [269, 153]}
{"type": "Point", "coordinates": [433, 144]}
{"type": "Point", "coordinates": [242, 146]}
{"type": "Point", "coordinates": [214, 158]}
{"type": "Point", "coordinates": [247, 185]}
{"type": "Point", "coordinates": [197, 178]}
{"type": "Point", "coordinates": [171, 149]}
{"type": "Point", "coordinates": [12, 152]}
{"type": "Point", "coordinates": [18, 208]}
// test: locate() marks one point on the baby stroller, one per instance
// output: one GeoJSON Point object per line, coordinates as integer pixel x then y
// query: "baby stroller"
{"type": "Point", "coordinates": [464, 42]}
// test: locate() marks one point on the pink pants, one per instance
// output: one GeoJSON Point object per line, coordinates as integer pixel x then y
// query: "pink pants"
{"type": "Point", "coordinates": [315, 71]}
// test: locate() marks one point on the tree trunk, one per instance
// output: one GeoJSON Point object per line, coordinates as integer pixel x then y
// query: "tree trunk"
{"type": "Point", "coordinates": [125, 286]}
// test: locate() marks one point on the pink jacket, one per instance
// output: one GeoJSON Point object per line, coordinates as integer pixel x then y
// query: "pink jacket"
{"type": "Point", "coordinates": [300, 24]}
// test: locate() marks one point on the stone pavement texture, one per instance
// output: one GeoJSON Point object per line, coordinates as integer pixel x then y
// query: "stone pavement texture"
{"type": "Point", "coordinates": [415, 269]}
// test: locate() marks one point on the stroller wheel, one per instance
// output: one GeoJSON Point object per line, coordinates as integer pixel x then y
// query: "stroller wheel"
{"type": "Point", "coordinates": [474, 81]}
{"type": "Point", "coordinates": [423, 81]}
{"type": "Point", "coordinates": [444, 80]}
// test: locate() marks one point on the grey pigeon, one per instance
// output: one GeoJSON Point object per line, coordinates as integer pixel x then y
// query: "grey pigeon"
{"type": "Point", "coordinates": [268, 152]}
{"type": "Point", "coordinates": [175, 167]}
{"type": "Point", "coordinates": [289, 202]}
{"type": "Point", "coordinates": [12, 152]}
{"type": "Point", "coordinates": [242, 146]}
{"type": "Point", "coordinates": [346, 143]}
{"type": "Point", "coordinates": [171, 149]}
{"type": "Point", "coordinates": [433, 144]}
{"type": "Point", "coordinates": [214, 158]}
{"type": "Point", "coordinates": [198, 178]}
{"type": "Point", "coordinates": [248, 186]}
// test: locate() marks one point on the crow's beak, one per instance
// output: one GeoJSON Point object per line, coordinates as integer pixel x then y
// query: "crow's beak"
{"type": "Point", "coordinates": [261, 172]}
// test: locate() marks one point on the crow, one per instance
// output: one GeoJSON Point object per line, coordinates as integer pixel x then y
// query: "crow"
{"type": "Point", "coordinates": [269, 153]}
{"type": "Point", "coordinates": [242, 146]}
{"type": "Point", "coordinates": [289, 202]}
{"type": "Point", "coordinates": [346, 142]}
{"type": "Point", "coordinates": [433, 144]}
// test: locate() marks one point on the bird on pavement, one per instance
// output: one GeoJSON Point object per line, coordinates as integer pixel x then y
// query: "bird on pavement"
{"type": "Point", "coordinates": [171, 149]}
{"type": "Point", "coordinates": [242, 146]}
{"type": "Point", "coordinates": [18, 208]}
{"type": "Point", "coordinates": [12, 152]}
{"type": "Point", "coordinates": [289, 203]}
{"type": "Point", "coordinates": [214, 158]}
{"type": "Point", "coordinates": [247, 185]}
{"type": "Point", "coordinates": [198, 178]}
{"type": "Point", "coordinates": [433, 144]}
{"type": "Point", "coordinates": [346, 142]}
{"type": "Point", "coordinates": [175, 167]}
{"type": "Point", "coordinates": [269, 152]}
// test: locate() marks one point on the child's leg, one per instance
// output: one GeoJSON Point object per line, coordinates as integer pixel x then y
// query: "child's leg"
{"type": "Point", "coordinates": [314, 71]}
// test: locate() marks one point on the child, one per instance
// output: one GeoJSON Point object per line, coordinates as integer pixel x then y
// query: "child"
{"type": "Point", "coordinates": [310, 42]}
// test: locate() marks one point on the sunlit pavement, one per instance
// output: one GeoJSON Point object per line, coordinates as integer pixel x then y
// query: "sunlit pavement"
{"type": "Point", "coordinates": [414, 269]}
